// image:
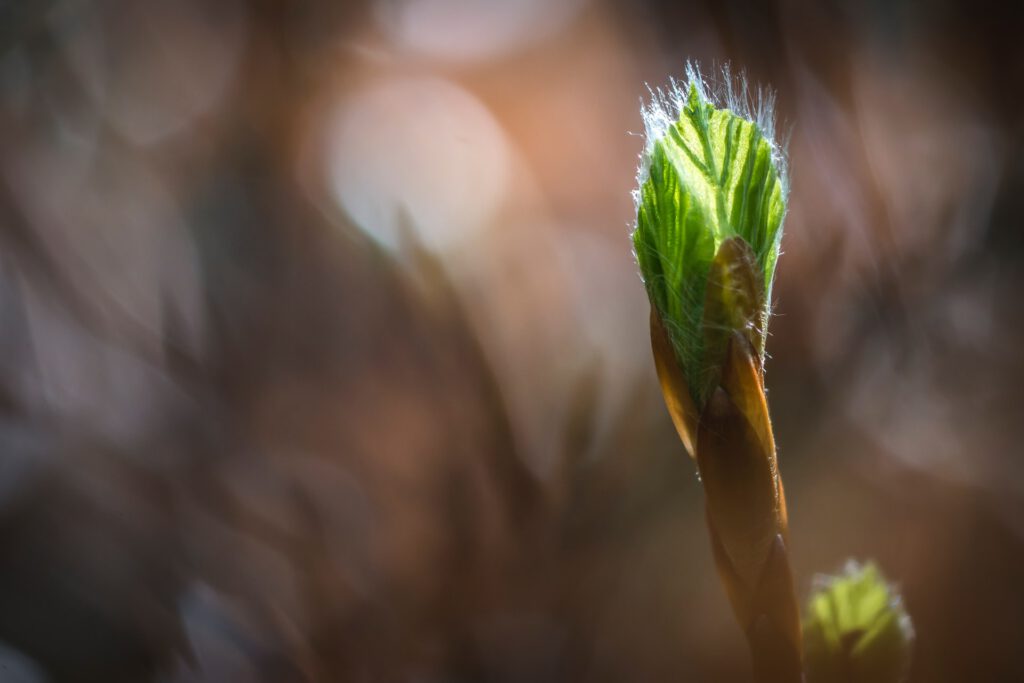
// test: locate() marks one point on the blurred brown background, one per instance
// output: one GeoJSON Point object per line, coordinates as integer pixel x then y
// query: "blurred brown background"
{"type": "Point", "coordinates": [324, 356]}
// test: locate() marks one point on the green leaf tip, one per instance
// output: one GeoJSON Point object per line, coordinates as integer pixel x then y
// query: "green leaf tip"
{"type": "Point", "coordinates": [856, 629]}
{"type": "Point", "coordinates": [711, 173]}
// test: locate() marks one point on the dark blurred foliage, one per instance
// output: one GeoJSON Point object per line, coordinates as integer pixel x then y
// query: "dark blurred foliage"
{"type": "Point", "coordinates": [324, 357]}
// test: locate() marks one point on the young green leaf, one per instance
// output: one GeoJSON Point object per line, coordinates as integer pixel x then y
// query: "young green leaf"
{"type": "Point", "coordinates": [856, 630]}
{"type": "Point", "coordinates": [708, 174]}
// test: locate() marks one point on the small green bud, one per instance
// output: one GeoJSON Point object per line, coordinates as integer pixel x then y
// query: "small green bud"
{"type": "Point", "coordinates": [709, 175]}
{"type": "Point", "coordinates": [856, 629]}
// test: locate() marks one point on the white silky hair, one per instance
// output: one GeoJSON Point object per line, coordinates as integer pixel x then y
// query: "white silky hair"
{"type": "Point", "coordinates": [734, 93]}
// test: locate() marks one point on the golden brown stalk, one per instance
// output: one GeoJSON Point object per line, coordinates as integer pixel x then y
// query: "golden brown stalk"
{"type": "Point", "coordinates": [733, 445]}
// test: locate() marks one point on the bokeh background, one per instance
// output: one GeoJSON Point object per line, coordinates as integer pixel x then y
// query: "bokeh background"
{"type": "Point", "coordinates": [324, 356]}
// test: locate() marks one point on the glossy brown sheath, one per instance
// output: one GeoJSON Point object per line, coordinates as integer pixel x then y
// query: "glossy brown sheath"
{"type": "Point", "coordinates": [731, 439]}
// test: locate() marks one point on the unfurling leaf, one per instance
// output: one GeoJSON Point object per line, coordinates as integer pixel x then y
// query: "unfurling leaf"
{"type": "Point", "coordinates": [856, 629]}
{"type": "Point", "coordinates": [710, 206]}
